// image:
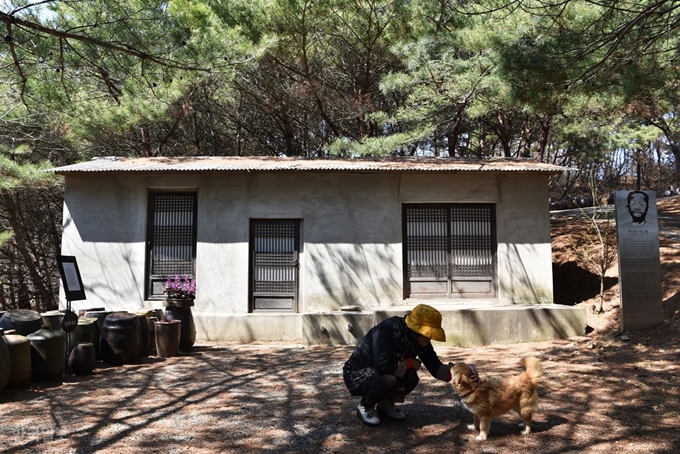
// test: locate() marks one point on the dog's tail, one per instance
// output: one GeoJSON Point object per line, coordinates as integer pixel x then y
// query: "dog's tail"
{"type": "Point", "coordinates": [533, 368]}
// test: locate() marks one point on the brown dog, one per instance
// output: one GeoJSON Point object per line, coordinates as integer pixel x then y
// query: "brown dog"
{"type": "Point", "coordinates": [491, 397]}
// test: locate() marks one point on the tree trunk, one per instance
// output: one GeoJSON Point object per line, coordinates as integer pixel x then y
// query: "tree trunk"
{"type": "Point", "coordinates": [146, 143]}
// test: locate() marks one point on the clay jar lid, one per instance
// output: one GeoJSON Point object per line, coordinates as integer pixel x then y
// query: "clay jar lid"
{"type": "Point", "coordinates": [12, 338]}
{"type": "Point", "coordinates": [22, 315]}
{"type": "Point", "coordinates": [24, 321]}
{"type": "Point", "coordinates": [13, 316]}
{"type": "Point", "coordinates": [120, 316]}
{"type": "Point", "coordinates": [7, 331]}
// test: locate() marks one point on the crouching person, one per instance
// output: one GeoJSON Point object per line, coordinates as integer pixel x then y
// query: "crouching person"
{"type": "Point", "coordinates": [384, 366]}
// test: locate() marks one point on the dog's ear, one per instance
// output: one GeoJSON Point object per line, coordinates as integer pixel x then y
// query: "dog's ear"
{"type": "Point", "coordinates": [457, 372]}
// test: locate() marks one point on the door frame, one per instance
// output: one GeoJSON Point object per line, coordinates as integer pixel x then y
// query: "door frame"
{"type": "Point", "coordinates": [274, 301]}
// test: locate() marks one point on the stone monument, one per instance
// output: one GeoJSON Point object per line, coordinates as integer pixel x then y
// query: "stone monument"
{"type": "Point", "coordinates": [637, 229]}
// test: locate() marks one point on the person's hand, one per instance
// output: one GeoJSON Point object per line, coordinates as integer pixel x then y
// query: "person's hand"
{"type": "Point", "coordinates": [401, 369]}
{"type": "Point", "coordinates": [444, 372]}
{"type": "Point", "coordinates": [403, 366]}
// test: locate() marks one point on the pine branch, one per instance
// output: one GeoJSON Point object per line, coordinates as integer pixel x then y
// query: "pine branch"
{"type": "Point", "coordinates": [10, 20]}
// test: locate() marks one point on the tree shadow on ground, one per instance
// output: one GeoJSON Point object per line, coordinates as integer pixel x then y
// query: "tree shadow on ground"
{"type": "Point", "coordinates": [280, 399]}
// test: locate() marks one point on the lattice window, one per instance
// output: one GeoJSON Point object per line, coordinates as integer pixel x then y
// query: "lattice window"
{"type": "Point", "coordinates": [447, 245]}
{"type": "Point", "coordinates": [471, 242]}
{"type": "Point", "coordinates": [172, 238]}
{"type": "Point", "coordinates": [427, 242]}
{"type": "Point", "coordinates": [274, 249]}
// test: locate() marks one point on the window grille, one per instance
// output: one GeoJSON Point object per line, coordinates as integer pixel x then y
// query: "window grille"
{"type": "Point", "coordinates": [171, 238]}
{"type": "Point", "coordinates": [274, 255]}
{"type": "Point", "coordinates": [449, 250]}
{"type": "Point", "coordinates": [471, 242]}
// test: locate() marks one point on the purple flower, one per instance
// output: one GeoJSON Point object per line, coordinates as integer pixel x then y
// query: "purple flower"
{"type": "Point", "coordinates": [180, 288]}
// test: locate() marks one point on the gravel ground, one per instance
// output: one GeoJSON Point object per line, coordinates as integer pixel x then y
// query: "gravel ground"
{"type": "Point", "coordinates": [600, 396]}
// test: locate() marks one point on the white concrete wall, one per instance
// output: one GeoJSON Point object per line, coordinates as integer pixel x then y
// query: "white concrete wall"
{"type": "Point", "coordinates": [351, 235]}
{"type": "Point", "coordinates": [524, 249]}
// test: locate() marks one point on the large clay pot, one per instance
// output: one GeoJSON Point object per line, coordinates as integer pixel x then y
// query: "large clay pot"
{"type": "Point", "coordinates": [48, 354]}
{"type": "Point", "coordinates": [151, 322]}
{"type": "Point", "coordinates": [82, 359]}
{"type": "Point", "coordinates": [5, 362]}
{"type": "Point", "coordinates": [23, 321]}
{"type": "Point", "coordinates": [143, 335]}
{"type": "Point", "coordinates": [167, 337]}
{"type": "Point", "coordinates": [83, 312]}
{"type": "Point", "coordinates": [183, 313]}
{"type": "Point", "coordinates": [99, 315]}
{"type": "Point", "coordinates": [158, 313]}
{"type": "Point", "coordinates": [119, 342]}
{"type": "Point", "coordinates": [87, 330]}
{"type": "Point", "coordinates": [144, 312]}
{"type": "Point", "coordinates": [20, 356]}
{"type": "Point", "coordinates": [52, 318]}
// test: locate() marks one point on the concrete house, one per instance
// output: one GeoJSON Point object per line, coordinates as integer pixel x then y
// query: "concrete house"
{"type": "Point", "coordinates": [319, 250]}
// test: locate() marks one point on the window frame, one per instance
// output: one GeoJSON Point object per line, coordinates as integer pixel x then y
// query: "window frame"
{"type": "Point", "coordinates": [154, 281]}
{"type": "Point", "coordinates": [294, 267]}
{"type": "Point", "coordinates": [457, 287]}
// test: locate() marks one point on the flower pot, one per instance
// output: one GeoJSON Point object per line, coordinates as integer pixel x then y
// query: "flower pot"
{"type": "Point", "coordinates": [167, 335]}
{"type": "Point", "coordinates": [178, 302]}
{"type": "Point", "coordinates": [188, 334]}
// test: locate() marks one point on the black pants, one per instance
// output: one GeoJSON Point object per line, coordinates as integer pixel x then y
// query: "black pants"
{"type": "Point", "coordinates": [379, 387]}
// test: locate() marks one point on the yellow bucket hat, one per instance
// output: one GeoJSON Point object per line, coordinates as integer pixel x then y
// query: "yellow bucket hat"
{"type": "Point", "coordinates": [426, 320]}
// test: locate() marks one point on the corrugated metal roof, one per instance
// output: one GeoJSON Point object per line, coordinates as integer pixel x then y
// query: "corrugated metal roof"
{"type": "Point", "coordinates": [285, 164]}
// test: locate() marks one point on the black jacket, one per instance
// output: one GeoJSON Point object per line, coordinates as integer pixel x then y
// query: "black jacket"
{"type": "Point", "coordinates": [382, 348]}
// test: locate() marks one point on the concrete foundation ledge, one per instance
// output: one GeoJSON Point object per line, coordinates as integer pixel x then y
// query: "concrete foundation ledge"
{"type": "Point", "coordinates": [335, 328]}
{"type": "Point", "coordinates": [475, 326]}
{"type": "Point", "coordinates": [272, 327]}
{"type": "Point", "coordinates": [465, 326]}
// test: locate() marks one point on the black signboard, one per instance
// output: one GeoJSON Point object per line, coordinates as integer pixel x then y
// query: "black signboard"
{"type": "Point", "coordinates": [69, 322]}
{"type": "Point", "coordinates": [70, 277]}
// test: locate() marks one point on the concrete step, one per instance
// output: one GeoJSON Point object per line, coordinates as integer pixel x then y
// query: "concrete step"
{"type": "Point", "coordinates": [466, 325]}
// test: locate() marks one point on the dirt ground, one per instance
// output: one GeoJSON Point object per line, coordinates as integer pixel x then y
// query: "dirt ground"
{"type": "Point", "coordinates": [604, 392]}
